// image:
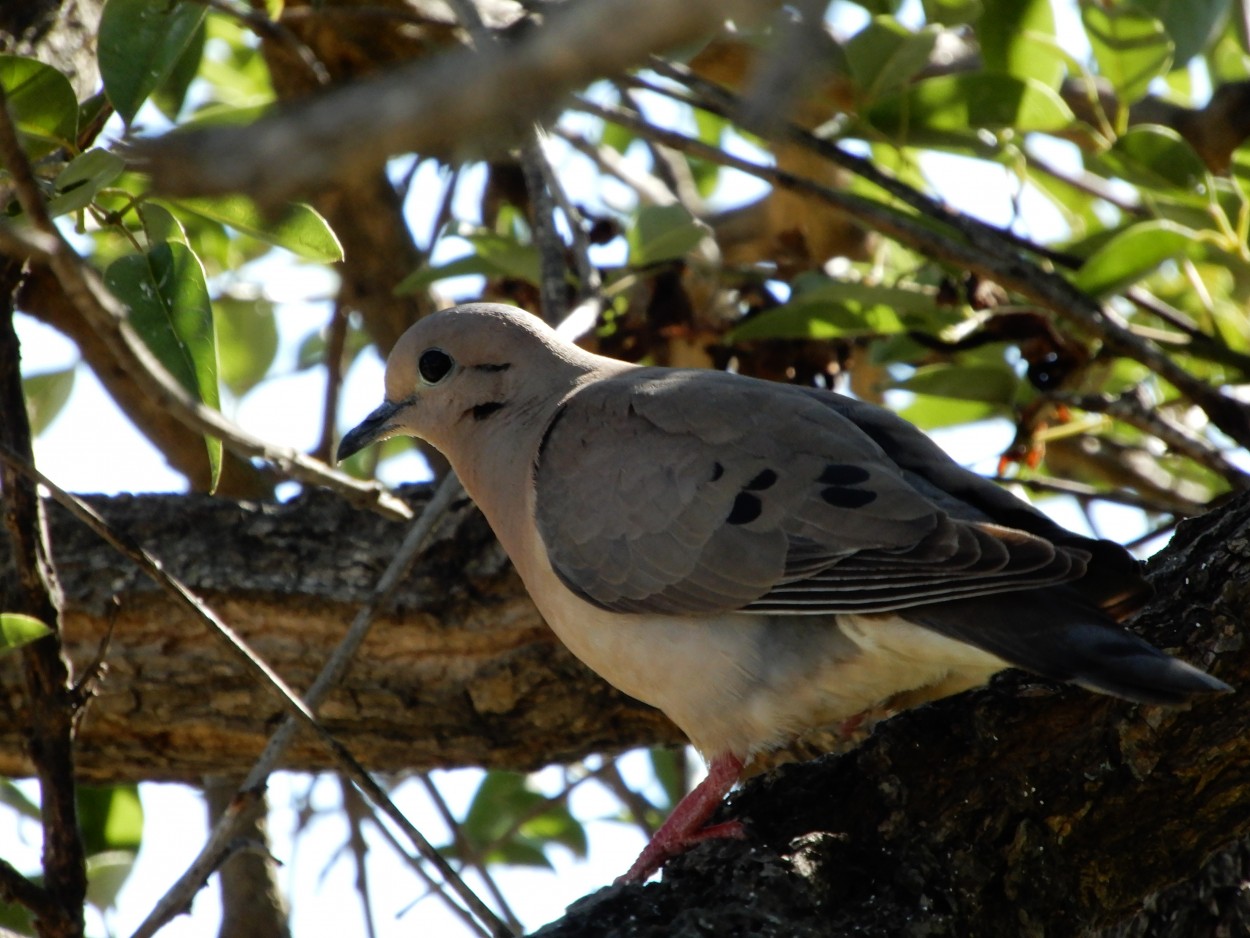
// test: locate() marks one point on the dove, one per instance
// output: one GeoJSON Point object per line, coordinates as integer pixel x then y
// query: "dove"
{"type": "Point", "coordinates": [755, 559]}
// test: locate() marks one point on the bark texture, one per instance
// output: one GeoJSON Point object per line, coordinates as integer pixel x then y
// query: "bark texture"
{"type": "Point", "coordinates": [461, 672]}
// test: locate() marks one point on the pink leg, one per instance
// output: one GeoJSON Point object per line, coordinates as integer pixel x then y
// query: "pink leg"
{"type": "Point", "coordinates": [684, 826]}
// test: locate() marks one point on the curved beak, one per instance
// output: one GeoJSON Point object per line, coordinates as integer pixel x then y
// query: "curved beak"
{"type": "Point", "coordinates": [377, 426]}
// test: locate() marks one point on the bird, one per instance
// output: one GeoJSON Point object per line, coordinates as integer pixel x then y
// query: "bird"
{"type": "Point", "coordinates": [755, 559]}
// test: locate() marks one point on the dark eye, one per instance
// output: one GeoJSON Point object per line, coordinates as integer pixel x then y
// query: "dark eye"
{"type": "Point", "coordinates": [434, 365]}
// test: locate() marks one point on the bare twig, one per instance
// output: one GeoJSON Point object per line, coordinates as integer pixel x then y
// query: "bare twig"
{"type": "Point", "coordinates": [465, 850]}
{"type": "Point", "coordinates": [356, 810]}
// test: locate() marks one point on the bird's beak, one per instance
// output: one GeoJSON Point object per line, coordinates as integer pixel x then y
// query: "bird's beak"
{"type": "Point", "coordinates": [379, 425]}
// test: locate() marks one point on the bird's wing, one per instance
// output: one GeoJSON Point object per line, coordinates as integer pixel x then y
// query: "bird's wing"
{"type": "Point", "coordinates": [697, 492]}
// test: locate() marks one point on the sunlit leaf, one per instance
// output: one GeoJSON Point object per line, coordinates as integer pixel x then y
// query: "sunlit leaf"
{"type": "Point", "coordinates": [140, 42]}
{"type": "Point", "coordinates": [170, 94]}
{"type": "Point", "coordinates": [1155, 157]}
{"type": "Point", "coordinates": [300, 229]}
{"type": "Point", "coordinates": [170, 309]}
{"type": "Point", "coordinates": [42, 102]}
{"type": "Point", "coordinates": [990, 384]}
{"type": "Point", "coordinates": [46, 394]}
{"type": "Point", "coordinates": [81, 181]}
{"type": "Point", "coordinates": [247, 341]}
{"type": "Point", "coordinates": [111, 818]}
{"type": "Point", "coordinates": [885, 54]}
{"type": "Point", "coordinates": [962, 103]}
{"type": "Point", "coordinates": [662, 233]}
{"type": "Point", "coordinates": [1131, 47]}
{"type": "Point", "coordinates": [820, 320]}
{"type": "Point", "coordinates": [1017, 38]}
{"type": "Point", "coordinates": [1133, 253]}
{"type": "Point", "coordinates": [510, 823]}
{"type": "Point", "coordinates": [18, 629]}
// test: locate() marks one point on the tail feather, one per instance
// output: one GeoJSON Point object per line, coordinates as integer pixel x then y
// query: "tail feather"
{"type": "Point", "coordinates": [1053, 632]}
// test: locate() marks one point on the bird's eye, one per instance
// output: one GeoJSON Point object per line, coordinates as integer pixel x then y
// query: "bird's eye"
{"type": "Point", "coordinates": [434, 365]}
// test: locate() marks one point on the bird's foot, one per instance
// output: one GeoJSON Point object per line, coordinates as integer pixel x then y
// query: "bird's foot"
{"type": "Point", "coordinates": [685, 826]}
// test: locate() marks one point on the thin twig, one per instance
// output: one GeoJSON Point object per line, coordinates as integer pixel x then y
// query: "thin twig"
{"type": "Point", "coordinates": [1132, 410]}
{"type": "Point", "coordinates": [356, 810]}
{"type": "Point", "coordinates": [465, 851]}
{"type": "Point", "coordinates": [1084, 492]}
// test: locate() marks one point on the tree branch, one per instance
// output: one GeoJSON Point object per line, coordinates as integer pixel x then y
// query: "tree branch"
{"type": "Point", "coordinates": [491, 98]}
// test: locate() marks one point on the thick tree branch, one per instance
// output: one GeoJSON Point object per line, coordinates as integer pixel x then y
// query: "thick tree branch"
{"type": "Point", "coordinates": [490, 98]}
{"type": "Point", "coordinates": [462, 671]}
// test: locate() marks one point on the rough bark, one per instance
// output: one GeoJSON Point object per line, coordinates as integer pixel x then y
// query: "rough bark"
{"type": "Point", "coordinates": [1020, 809]}
{"type": "Point", "coordinates": [463, 672]}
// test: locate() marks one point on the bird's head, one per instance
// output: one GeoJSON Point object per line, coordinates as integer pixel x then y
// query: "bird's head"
{"type": "Point", "coordinates": [460, 374]}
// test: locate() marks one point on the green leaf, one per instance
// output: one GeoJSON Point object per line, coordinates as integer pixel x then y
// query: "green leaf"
{"type": "Point", "coordinates": [885, 54]}
{"type": "Point", "coordinates": [667, 764]}
{"type": "Point", "coordinates": [46, 394]}
{"type": "Point", "coordinates": [170, 309]}
{"type": "Point", "coordinates": [300, 230]}
{"type": "Point", "coordinates": [506, 822]}
{"type": "Point", "coordinates": [111, 818]}
{"type": "Point", "coordinates": [247, 341]}
{"type": "Point", "coordinates": [934, 413]}
{"type": "Point", "coordinates": [952, 12]}
{"type": "Point", "coordinates": [988, 384]}
{"type": "Point", "coordinates": [159, 225]}
{"type": "Point", "coordinates": [42, 102]}
{"type": "Point", "coordinates": [1018, 38]}
{"type": "Point", "coordinates": [140, 43]}
{"type": "Point", "coordinates": [1155, 157]}
{"type": "Point", "coordinates": [968, 102]}
{"type": "Point", "coordinates": [1133, 253]}
{"type": "Point", "coordinates": [662, 233]}
{"type": "Point", "coordinates": [18, 629]}
{"type": "Point", "coordinates": [1131, 48]}
{"type": "Point", "coordinates": [816, 319]}
{"type": "Point", "coordinates": [172, 92]}
{"type": "Point", "coordinates": [1192, 24]}
{"type": "Point", "coordinates": [80, 182]}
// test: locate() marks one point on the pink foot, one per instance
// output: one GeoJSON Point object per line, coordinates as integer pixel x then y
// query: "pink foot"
{"type": "Point", "coordinates": [684, 827]}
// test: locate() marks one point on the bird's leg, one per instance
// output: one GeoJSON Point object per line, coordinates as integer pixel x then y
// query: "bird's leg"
{"type": "Point", "coordinates": [684, 827]}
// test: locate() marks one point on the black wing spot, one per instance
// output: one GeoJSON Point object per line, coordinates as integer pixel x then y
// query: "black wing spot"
{"type": "Point", "coordinates": [764, 480]}
{"type": "Point", "coordinates": [841, 474]}
{"type": "Point", "coordinates": [746, 508]}
{"type": "Point", "coordinates": [717, 471]}
{"type": "Point", "coordinates": [840, 497]}
{"type": "Point", "coordinates": [482, 411]}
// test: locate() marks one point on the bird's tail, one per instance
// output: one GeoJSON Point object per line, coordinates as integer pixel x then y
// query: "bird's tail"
{"type": "Point", "coordinates": [1054, 633]}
